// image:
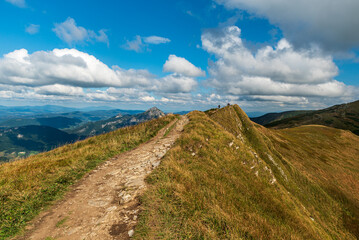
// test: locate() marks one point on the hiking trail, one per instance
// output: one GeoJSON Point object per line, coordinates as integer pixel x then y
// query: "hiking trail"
{"type": "Point", "coordinates": [104, 204]}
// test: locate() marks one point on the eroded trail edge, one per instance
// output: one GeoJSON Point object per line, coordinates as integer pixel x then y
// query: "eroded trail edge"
{"type": "Point", "coordinates": [104, 204]}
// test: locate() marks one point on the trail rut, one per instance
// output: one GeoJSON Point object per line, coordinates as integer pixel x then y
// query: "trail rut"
{"type": "Point", "coordinates": [104, 204]}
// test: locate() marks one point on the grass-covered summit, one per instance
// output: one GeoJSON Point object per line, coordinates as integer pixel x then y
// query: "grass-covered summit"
{"type": "Point", "coordinates": [229, 178]}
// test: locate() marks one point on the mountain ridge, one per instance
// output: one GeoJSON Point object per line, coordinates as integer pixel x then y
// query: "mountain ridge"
{"type": "Point", "coordinates": [104, 126]}
{"type": "Point", "coordinates": [341, 116]}
{"type": "Point", "coordinates": [226, 177]}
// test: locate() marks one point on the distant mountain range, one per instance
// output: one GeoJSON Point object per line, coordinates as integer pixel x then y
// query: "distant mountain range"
{"type": "Point", "coordinates": [84, 114]}
{"type": "Point", "coordinates": [22, 137]}
{"type": "Point", "coordinates": [27, 140]}
{"type": "Point", "coordinates": [55, 122]}
{"type": "Point", "coordinates": [272, 117]}
{"type": "Point", "coordinates": [113, 123]}
{"type": "Point", "coordinates": [343, 116]}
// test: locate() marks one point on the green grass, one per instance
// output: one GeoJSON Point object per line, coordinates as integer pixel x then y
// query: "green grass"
{"type": "Point", "coordinates": [61, 222]}
{"type": "Point", "coordinates": [217, 183]}
{"type": "Point", "coordinates": [168, 130]}
{"type": "Point", "coordinates": [28, 186]}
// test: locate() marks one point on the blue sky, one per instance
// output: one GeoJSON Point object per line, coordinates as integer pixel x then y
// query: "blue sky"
{"type": "Point", "coordinates": [179, 55]}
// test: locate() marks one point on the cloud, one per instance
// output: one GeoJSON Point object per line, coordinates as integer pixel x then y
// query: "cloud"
{"type": "Point", "coordinates": [65, 74]}
{"type": "Point", "coordinates": [70, 33]}
{"type": "Point", "coordinates": [175, 83]}
{"type": "Point", "coordinates": [280, 71]}
{"type": "Point", "coordinates": [134, 45]}
{"type": "Point", "coordinates": [156, 40]}
{"type": "Point", "coordinates": [148, 99]}
{"type": "Point", "coordinates": [32, 29]}
{"type": "Point", "coordinates": [182, 66]}
{"type": "Point", "coordinates": [66, 67]}
{"type": "Point", "coordinates": [328, 23]}
{"type": "Point", "coordinates": [138, 44]}
{"type": "Point", "coordinates": [60, 90]}
{"type": "Point", "coordinates": [18, 3]}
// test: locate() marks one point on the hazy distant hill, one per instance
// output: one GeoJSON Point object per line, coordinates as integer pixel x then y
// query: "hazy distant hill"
{"type": "Point", "coordinates": [27, 140]}
{"type": "Point", "coordinates": [55, 122]}
{"type": "Point", "coordinates": [25, 136]}
{"type": "Point", "coordinates": [272, 117]}
{"type": "Point", "coordinates": [49, 111]}
{"type": "Point", "coordinates": [25, 111]}
{"type": "Point", "coordinates": [97, 115]}
{"type": "Point", "coordinates": [344, 116]}
{"type": "Point", "coordinates": [113, 123]}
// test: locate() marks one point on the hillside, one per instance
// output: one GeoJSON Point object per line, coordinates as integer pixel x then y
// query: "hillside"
{"type": "Point", "coordinates": [55, 122]}
{"type": "Point", "coordinates": [28, 140]}
{"type": "Point", "coordinates": [23, 141]}
{"type": "Point", "coordinates": [94, 115]}
{"type": "Point", "coordinates": [29, 185]}
{"type": "Point", "coordinates": [8, 114]}
{"type": "Point", "coordinates": [113, 123]}
{"type": "Point", "coordinates": [228, 178]}
{"type": "Point", "coordinates": [344, 116]}
{"type": "Point", "coordinates": [272, 117]}
{"type": "Point", "coordinates": [25, 111]}
{"type": "Point", "coordinates": [225, 178]}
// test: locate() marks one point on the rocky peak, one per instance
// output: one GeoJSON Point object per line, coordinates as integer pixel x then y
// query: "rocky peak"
{"type": "Point", "coordinates": [154, 112]}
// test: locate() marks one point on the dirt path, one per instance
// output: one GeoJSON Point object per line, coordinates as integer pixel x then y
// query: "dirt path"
{"type": "Point", "coordinates": [104, 204]}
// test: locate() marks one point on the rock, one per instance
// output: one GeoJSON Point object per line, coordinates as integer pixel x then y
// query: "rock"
{"type": "Point", "coordinates": [130, 233]}
{"type": "Point", "coordinates": [111, 209]}
{"type": "Point", "coordinates": [126, 198]}
{"type": "Point", "coordinates": [156, 164]}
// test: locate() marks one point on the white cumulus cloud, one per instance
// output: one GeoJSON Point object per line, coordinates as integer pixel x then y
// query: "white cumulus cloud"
{"type": "Point", "coordinates": [278, 71]}
{"type": "Point", "coordinates": [61, 90]}
{"type": "Point", "coordinates": [69, 32]}
{"type": "Point", "coordinates": [182, 66]}
{"type": "Point", "coordinates": [66, 67]}
{"type": "Point", "coordinates": [175, 83]}
{"type": "Point", "coordinates": [331, 24]}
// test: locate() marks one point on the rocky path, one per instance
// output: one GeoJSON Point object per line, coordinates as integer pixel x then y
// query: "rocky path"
{"type": "Point", "coordinates": [104, 204]}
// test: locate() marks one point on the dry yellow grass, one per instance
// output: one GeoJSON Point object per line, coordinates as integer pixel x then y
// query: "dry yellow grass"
{"type": "Point", "coordinates": [29, 185]}
{"type": "Point", "coordinates": [228, 178]}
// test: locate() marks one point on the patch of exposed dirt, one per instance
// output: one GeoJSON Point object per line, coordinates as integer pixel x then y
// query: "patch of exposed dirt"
{"type": "Point", "coordinates": [104, 204]}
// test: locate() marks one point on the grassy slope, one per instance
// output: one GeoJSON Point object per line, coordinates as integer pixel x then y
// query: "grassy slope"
{"type": "Point", "coordinates": [226, 178]}
{"type": "Point", "coordinates": [272, 117]}
{"type": "Point", "coordinates": [29, 185]}
{"type": "Point", "coordinates": [330, 158]}
{"type": "Point", "coordinates": [344, 116]}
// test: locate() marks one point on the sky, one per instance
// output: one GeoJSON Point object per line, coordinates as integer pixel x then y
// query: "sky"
{"type": "Point", "coordinates": [264, 55]}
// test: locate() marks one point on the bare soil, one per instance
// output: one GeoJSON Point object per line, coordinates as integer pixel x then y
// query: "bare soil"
{"type": "Point", "coordinates": [104, 204]}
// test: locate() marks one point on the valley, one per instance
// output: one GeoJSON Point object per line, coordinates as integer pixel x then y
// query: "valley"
{"type": "Point", "coordinates": [23, 137]}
